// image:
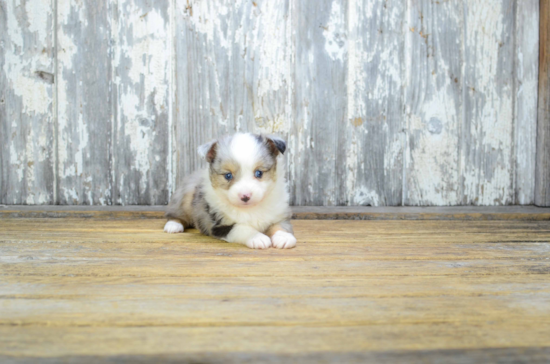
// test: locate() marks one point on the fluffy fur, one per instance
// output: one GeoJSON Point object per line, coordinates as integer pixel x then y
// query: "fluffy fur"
{"type": "Point", "coordinates": [241, 197]}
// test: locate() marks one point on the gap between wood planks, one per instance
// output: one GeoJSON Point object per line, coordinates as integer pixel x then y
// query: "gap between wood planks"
{"type": "Point", "coordinates": [531, 213]}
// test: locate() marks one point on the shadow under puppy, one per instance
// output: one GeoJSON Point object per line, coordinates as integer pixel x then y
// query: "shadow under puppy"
{"type": "Point", "coordinates": [241, 197]}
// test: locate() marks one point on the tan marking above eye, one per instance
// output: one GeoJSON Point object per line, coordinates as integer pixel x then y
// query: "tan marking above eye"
{"type": "Point", "coordinates": [229, 167]}
{"type": "Point", "coordinates": [262, 168]}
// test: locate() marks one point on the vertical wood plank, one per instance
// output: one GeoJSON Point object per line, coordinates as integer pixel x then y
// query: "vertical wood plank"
{"type": "Point", "coordinates": [142, 75]}
{"type": "Point", "coordinates": [232, 72]}
{"type": "Point", "coordinates": [542, 178]}
{"type": "Point", "coordinates": [319, 100]}
{"type": "Point", "coordinates": [371, 139]}
{"type": "Point", "coordinates": [487, 150]}
{"type": "Point", "coordinates": [525, 115]}
{"type": "Point", "coordinates": [434, 102]}
{"type": "Point", "coordinates": [26, 102]}
{"type": "Point", "coordinates": [85, 102]}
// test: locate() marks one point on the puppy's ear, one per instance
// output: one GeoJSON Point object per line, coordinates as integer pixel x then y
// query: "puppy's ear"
{"type": "Point", "coordinates": [208, 150]}
{"type": "Point", "coordinates": [276, 144]}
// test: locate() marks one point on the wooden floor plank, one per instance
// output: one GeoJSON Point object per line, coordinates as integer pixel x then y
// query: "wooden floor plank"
{"type": "Point", "coordinates": [449, 356]}
{"type": "Point", "coordinates": [61, 341]}
{"type": "Point", "coordinates": [69, 287]}
{"type": "Point", "coordinates": [177, 311]}
{"type": "Point", "coordinates": [23, 251]}
{"type": "Point", "coordinates": [318, 231]}
{"type": "Point", "coordinates": [122, 290]}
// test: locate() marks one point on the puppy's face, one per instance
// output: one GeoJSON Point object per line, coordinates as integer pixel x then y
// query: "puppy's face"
{"type": "Point", "coordinates": [243, 167]}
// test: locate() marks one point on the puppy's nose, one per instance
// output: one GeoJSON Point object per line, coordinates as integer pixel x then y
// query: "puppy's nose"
{"type": "Point", "coordinates": [245, 196]}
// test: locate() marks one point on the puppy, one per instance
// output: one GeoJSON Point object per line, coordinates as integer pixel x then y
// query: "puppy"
{"type": "Point", "coordinates": [241, 197]}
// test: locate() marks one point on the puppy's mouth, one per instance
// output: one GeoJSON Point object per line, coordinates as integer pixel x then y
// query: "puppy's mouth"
{"type": "Point", "coordinates": [246, 204]}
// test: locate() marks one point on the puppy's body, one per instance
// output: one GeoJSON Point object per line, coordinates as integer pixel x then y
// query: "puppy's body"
{"type": "Point", "coordinates": [240, 197]}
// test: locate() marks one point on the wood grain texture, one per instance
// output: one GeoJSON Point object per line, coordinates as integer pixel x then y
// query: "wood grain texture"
{"type": "Point", "coordinates": [85, 102]}
{"type": "Point", "coordinates": [371, 144]}
{"type": "Point", "coordinates": [232, 72]}
{"type": "Point", "coordinates": [418, 103]}
{"type": "Point", "coordinates": [27, 102]}
{"type": "Point", "coordinates": [521, 213]}
{"type": "Point", "coordinates": [542, 177]}
{"type": "Point", "coordinates": [142, 54]}
{"type": "Point", "coordinates": [525, 100]}
{"type": "Point", "coordinates": [433, 91]}
{"type": "Point", "coordinates": [236, 345]}
{"type": "Point", "coordinates": [487, 151]}
{"type": "Point", "coordinates": [319, 101]}
{"type": "Point", "coordinates": [452, 356]}
{"type": "Point", "coordinates": [126, 291]}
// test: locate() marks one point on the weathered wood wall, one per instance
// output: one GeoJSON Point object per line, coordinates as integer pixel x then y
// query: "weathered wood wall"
{"type": "Point", "coordinates": [416, 102]}
{"type": "Point", "coordinates": [542, 177]}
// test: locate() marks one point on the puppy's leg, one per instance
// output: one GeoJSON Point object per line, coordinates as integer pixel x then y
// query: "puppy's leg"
{"type": "Point", "coordinates": [178, 215]}
{"type": "Point", "coordinates": [281, 235]}
{"type": "Point", "coordinates": [252, 238]}
{"type": "Point", "coordinates": [173, 226]}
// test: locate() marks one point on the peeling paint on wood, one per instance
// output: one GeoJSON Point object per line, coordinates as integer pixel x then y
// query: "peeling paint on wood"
{"type": "Point", "coordinates": [414, 103]}
{"type": "Point", "coordinates": [433, 89]}
{"type": "Point", "coordinates": [84, 102]}
{"type": "Point", "coordinates": [232, 72]}
{"type": "Point", "coordinates": [141, 62]}
{"type": "Point", "coordinates": [487, 150]}
{"type": "Point", "coordinates": [26, 102]}
{"type": "Point", "coordinates": [373, 159]}
{"type": "Point", "coordinates": [319, 101]}
{"type": "Point", "coordinates": [542, 177]}
{"type": "Point", "coordinates": [525, 99]}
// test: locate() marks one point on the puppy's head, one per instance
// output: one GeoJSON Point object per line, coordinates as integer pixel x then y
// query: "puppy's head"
{"type": "Point", "coordinates": [243, 167]}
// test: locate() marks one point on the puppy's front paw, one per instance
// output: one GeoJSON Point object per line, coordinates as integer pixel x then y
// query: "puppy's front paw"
{"type": "Point", "coordinates": [173, 227]}
{"type": "Point", "coordinates": [283, 240]}
{"type": "Point", "coordinates": [259, 241]}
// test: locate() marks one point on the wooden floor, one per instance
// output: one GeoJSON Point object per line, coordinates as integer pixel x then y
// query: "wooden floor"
{"type": "Point", "coordinates": [80, 290]}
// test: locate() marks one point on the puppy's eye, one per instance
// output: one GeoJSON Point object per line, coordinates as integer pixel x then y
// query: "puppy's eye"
{"type": "Point", "coordinates": [228, 176]}
{"type": "Point", "coordinates": [258, 174]}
